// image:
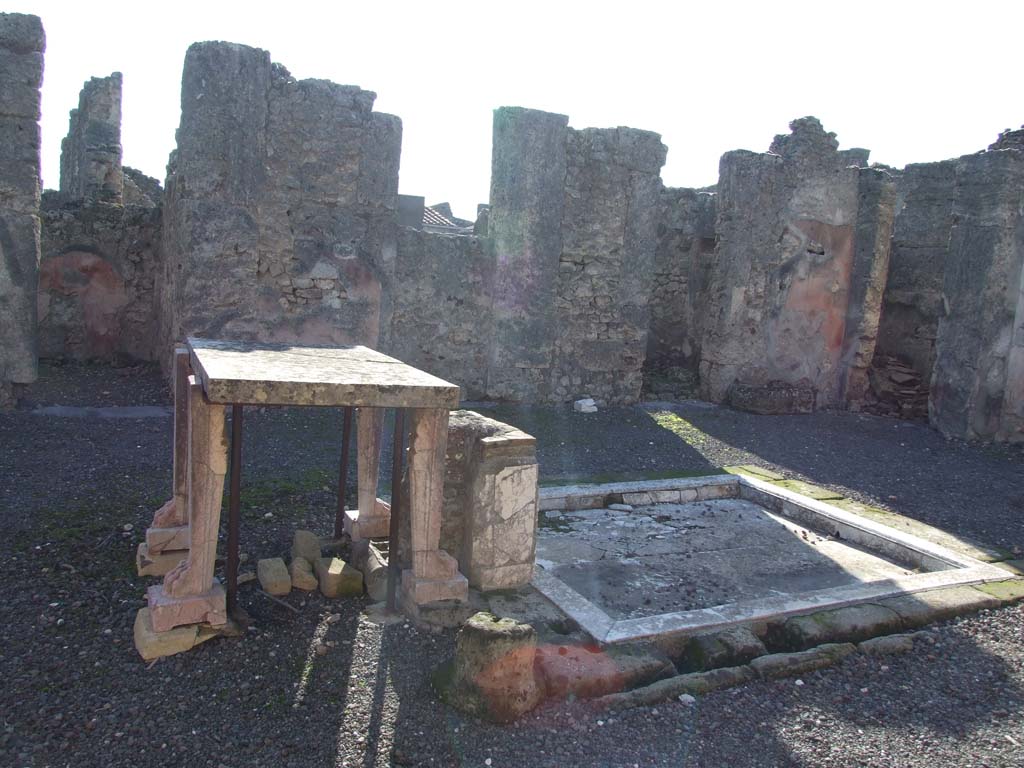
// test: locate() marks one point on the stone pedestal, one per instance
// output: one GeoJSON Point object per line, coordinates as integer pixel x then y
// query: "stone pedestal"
{"type": "Point", "coordinates": [167, 612]}
{"type": "Point", "coordinates": [373, 517]}
{"type": "Point", "coordinates": [435, 573]}
{"type": "Point", "coordinates": [493, 672]}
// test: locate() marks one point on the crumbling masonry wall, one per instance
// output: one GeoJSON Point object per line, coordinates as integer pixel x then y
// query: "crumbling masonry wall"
{"type": "Point", "coordinates": [100, 242]}
{"type": "Point", "coordinates": [920, 242]}
{"type": "Point", "coordinates": [90, 155]}
{"type": "Point", "coordinates": [977, 387]}
{"type": "Point", "coordinates": [788, 290]}
{"type": "Point", "coordinates": [682, 265]}
{"type": "Point", "coordinates": [279, 215]}
{"type": "Point", "coordinates": [442, 307]}
{"type": "Point", "coordinates": [572, 230]}
{"type": "Point", "coordinates": [96, 280]}
{"type": "Point", "coordinates": [22, 43]}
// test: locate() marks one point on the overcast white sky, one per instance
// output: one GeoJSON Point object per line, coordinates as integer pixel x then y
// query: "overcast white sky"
{"type": "Point", "coordinates": [912, 81]}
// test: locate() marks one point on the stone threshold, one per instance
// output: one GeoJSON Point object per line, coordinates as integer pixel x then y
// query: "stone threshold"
{"type": "Point", "coordinates": [944, 567]}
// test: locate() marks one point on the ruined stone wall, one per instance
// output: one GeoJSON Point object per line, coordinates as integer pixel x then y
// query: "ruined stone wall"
{"type": "Point", "coordinates": [22, 43]}
{"type": "Point", "coordinates": [442, 307]}
{"type": "Point", "coordinates": [279, 214]}
{"type": "Point", "coordinates": [528, 167]}
{"type": "Point", "coordinates": [682, 266]}
{"type": "Point", "coordinates": [606, 267]}
{"type": "Point", "coordinates": [90, 155]}
{"type": "Point", "coordinates": [920, 241]}
{"type": "Point", "coordinates": [572, 230]}
{"type": "Point", "coordinates": [977, 386]}
{"type": "Point", "coordinates": [96, 280]}
{"type": "Point", "coordinates": [788, 282]}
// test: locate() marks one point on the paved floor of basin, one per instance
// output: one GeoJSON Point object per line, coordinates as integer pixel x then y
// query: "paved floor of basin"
{"type": "Point", "coordinates": [678, 557]}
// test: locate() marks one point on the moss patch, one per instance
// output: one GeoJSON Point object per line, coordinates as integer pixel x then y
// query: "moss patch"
{"type": "Point", "coordinates": [1009, 591]}
{"type": "Point", "coordinates": [752, 470]}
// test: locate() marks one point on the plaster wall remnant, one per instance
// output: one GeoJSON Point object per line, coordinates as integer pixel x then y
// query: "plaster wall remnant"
{"type": "Point", "coordinates": [790, 294]}
{"type": "Point", "coordinates": [96, 279]}
{"type": "Point", "coordinates": [977, 388]}
{"type": "Point", "coordinates": [90, 155]}
{"type": "Point", "coordinates": [572, 228]}
{"type": "Point", "coordinates": [280, 212]}
{"type": "Point", "coordinates": [22, 42]}
{"type": "Point", "coordinates": [682, 265]}
{"type": "Point", "coordinates": [920, 241]}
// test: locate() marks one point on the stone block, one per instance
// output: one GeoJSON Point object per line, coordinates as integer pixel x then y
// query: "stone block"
{"type": "Point", "coordinates": [705, 492]}
{"type": "Point", "coordinates": [887, 644]}
{"type": "Point", "coordinates": [306, 545]}
{"type": "Point", "coordinates": [695, 683]}
{"type": "Point", "coordinates": [422, 590]}
{"type": "Point", "coordinates": [154, 645]}
{"type": "Point", "coordinates": [156, 563]}
{"type": "Point", "coordinates": [492, 675]}
{"type": "Point", "coordinates": [776, 665]}
{"type": "Point", "coordinates": [921, 608]}
{"type": "Point", "coordinates": [368, 559]}
{"type": "Point", "coordinates": [273, 575]}
{"type": "Point", "coordinates": [338, 578]}
{"type": "Point", "coordinates": [301, 572]}
{"type": "Point", "coordinates": [165, 539]}
{"type": "Point", "coordinates": [731, 648]}
{"type": "Point", "coordinates": [167, 612]}
{"type": "Point", "coordinates": [850, 624]}
{"type": "Point", "coordinates": [587, 672]}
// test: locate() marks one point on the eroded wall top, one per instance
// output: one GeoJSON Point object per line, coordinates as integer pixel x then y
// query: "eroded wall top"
{"type": "Point", "coordinates": [90, 155]}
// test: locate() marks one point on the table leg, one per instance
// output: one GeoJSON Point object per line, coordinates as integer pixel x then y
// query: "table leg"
{"type": "Point", "coordinates": [435, 573]}
{"type": "Point", "coordinates": [346, 438]}
{"type": "Point", "coordinates": [167, 536]}
{"type": "Point", "coordinates": [397, 451]}
{"type": "Point", "coordinates": [189, 593]}
{"type": "Point", "coordinates": [370, 519]}
{"type": "Point", "coordinates": [234, 500]}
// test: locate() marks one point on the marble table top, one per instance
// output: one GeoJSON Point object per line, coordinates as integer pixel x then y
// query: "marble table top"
{"type": "Point", "coordinates": [289, 374]}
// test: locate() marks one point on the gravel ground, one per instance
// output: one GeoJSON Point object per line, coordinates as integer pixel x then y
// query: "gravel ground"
{"type": "Point", "coordinates": [76, 694]}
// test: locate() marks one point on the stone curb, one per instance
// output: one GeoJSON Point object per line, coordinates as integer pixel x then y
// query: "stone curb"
{"type": "Point", "coordinates": [774, 666]}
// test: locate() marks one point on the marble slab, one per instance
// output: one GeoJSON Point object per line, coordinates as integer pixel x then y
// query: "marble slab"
{"type": "Point", "coordinates": [287, 374]}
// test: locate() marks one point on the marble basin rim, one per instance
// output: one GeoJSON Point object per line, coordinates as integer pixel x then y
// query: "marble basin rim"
{"type": "Point", "coordinates": [938, 567]}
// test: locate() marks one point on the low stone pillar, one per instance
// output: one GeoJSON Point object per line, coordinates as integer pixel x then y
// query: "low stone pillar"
{"type": "Point", "coordinates": [435, 573]}
{"type": "Point", "coordinates": [492, 676]}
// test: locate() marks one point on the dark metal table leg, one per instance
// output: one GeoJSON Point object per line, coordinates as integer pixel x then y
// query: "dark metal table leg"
{"type": "Point", "coordinates": [398, 452]}
{"type": "Point", "coordinates": [346, 439]}
{"type": "Point", "coordinates": [233, 506]}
